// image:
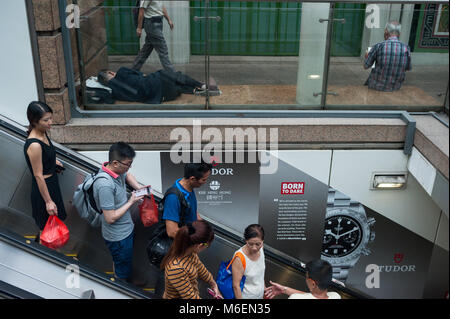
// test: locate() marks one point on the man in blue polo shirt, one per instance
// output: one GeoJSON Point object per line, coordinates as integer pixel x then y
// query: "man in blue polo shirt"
{"type": "Point", "coordinates": [195, 175]}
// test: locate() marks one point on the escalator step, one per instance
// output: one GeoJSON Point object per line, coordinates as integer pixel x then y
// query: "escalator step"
{"type": "Point", "coordinates": [74, 256]}
{"type": "Point", "coordinates": [149, 289]}
{"type": "Point", "coordinates": [30, 238]}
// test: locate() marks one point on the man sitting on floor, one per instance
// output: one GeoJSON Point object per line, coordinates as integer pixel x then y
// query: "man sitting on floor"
{"type": "Point", "coordinates": [392, 59]}
{"type": "Point", "coordinates": [155, 88]}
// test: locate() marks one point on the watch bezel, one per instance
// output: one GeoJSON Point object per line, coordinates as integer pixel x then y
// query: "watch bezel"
{"type": "Point", "coordinates": [358, 241]}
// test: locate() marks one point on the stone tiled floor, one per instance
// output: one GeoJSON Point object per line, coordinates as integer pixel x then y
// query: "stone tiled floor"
{"type": "Point", "coordinates": [263, 81]}
{"type": "Point", "coordinates": [286, 94]}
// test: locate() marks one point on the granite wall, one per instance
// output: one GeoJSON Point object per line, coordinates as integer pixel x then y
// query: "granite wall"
{"type": "Point", "coordinates": [49, 37]}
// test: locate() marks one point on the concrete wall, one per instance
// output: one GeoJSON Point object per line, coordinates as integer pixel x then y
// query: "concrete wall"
{"type": "Point", "coordinates": [17, 75]}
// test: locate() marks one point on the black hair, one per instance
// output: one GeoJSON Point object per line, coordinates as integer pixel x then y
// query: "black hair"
{"type": "Point", "coordinates": [120, 151]}
{"type": "Point", "coordinates": [254, 230]}
{"type": "Point", "coordinates": [102, 77]}
{"type": "Point", "coordinates": [199, 232]}
{"type": "Point", "coordinates": [321, 272]}
{"type": "Point", "coordinates": [35, 112]}
{"type": "Point", "coordinates": [198, 170]}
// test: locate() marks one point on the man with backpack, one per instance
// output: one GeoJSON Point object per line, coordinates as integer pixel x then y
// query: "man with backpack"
{"type": "Point", "coordinates": [195, 175]}
{"type": "Point", "coordinates": [180, 205]}
{"type": "Point", "coordinates": [110, 195]}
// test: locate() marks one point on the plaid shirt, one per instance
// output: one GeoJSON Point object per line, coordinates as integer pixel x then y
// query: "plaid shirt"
{"type": "Point", "coordinates": [392, 59]}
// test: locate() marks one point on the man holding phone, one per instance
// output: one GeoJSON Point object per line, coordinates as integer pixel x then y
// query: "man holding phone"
{"type": "Point", "coordinates": [110, 195]}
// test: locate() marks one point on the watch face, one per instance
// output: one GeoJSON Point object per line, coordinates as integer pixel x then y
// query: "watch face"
{"type": "Point", "coordinates": [342, 236]}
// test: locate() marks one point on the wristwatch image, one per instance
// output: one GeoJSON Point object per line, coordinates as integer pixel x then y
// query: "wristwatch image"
{"type": "Point", "coordinates": [347, 233]}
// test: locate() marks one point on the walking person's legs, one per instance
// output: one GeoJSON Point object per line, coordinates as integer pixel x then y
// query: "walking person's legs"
{"type": "Point", "coordinates": [122, 255]}
{"type": "Point", "coordinates": [160, 45]}
{"type": "Point", "coordinates": [160, 284]}
{"type": "Point", "coordinates": [146, 49]}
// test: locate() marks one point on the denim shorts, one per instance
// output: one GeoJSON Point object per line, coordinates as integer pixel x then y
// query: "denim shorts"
{"type": "Point", "coordinates": [122, 255]}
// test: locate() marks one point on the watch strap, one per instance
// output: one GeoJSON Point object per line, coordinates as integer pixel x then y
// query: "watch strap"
{"type": "Point", "coordinates": [337, 199]}
{"type": "Point", "coordinates": [340, 272]}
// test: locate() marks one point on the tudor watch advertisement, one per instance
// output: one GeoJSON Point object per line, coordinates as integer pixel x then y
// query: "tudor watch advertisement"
{"type": "Point", "coordinates": [306, 219]}
{"type": "Point", "coordinates": [347, 233]}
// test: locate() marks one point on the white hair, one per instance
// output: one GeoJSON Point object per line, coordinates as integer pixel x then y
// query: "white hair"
{"type": "Point", "coordinates": [393, 27]}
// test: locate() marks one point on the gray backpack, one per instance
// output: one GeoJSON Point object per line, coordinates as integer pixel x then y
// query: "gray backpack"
{"type": "Point", "coordinates": [84, 202]}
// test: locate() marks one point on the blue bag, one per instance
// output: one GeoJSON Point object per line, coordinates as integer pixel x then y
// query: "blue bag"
{"type": "Point", "coordinates": [225, 278]}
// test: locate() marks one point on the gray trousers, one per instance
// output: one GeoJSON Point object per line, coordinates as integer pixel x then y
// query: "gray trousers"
{"type": "Point", "coordinates": [153, 40]}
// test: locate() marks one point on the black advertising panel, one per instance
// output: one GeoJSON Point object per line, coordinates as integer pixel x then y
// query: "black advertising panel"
{"type": "Point", "coordinates": [230, 194]}
{"type": "Point", "coordinates": [437, 281]}
{"type": "Point", "coordinates": [292, 210]}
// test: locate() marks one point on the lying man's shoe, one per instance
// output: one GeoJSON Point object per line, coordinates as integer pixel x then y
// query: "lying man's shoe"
{"type": "Point", "coordinates": [202, 92]}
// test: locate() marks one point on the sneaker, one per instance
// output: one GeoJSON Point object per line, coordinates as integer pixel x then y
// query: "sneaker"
{"type": "Point", "coordinates": [212, 92]}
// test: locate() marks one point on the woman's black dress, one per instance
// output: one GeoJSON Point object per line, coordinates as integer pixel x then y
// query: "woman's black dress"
{"type": "Point", "coordinates": [40, 214]}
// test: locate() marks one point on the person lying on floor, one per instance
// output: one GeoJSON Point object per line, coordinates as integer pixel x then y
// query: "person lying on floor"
{"type": "Point", "coordinates": [155, 88]}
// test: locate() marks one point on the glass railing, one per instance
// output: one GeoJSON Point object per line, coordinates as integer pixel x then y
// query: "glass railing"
{"type": "Point", "coordinates": [268, 55]}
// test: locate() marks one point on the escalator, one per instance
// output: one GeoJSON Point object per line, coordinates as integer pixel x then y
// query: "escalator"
{"type": "Point", "coordinates": [83, 267]}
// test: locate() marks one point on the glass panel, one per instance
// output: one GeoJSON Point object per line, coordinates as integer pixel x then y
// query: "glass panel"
{"type": "Point", "coordinates": [261, 56]}
{"type": "Point", "coordinates": [109, 41]}
{"type": "Point", "coordinates": [424, 28]}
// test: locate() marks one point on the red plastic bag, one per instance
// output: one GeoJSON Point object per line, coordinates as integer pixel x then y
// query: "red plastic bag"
{"type": "Point", "coordinates": [148, 211]}
{"type": "Point", "coordinates": [55, 233]}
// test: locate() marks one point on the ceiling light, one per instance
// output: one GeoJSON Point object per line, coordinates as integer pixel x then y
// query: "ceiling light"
{"type": "Point", "coordinates": [389, 181]}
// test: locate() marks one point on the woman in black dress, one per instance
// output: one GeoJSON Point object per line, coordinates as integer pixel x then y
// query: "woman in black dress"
{"type": "Point", "coordinates": [40, 155]}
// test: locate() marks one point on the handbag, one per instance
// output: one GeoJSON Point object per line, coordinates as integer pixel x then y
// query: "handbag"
{"type": "Point", "coordinates": [224, 278]}
{"type": "Point", "coordinates": [148, 211]}
{"type": "Point", "coordinates": [159, 243]}
{"type": "Point", "coordinates": [55, 233]}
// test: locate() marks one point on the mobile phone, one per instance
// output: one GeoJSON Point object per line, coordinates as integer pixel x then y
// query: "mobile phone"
{"type": "Point", "coordinates": [143, 191]}
{"type": "Point", "coordinates": [59, 168]}
{"type": "Point", "coordinates": [368, 50]}
{"type": "Point", "coordinates": [213, 294]}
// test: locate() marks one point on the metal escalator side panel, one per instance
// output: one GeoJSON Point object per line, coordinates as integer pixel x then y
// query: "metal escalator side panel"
{"type": "Point", "coordinates": [48, 274]}
{"type": "Point", "coordinates": [8, 291]}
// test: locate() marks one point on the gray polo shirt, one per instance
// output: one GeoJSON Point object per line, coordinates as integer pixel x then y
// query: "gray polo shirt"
{"type": "Point", "coordinates": [110, 194]}
{"type": "Point", "coordinates": [152, 8]}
